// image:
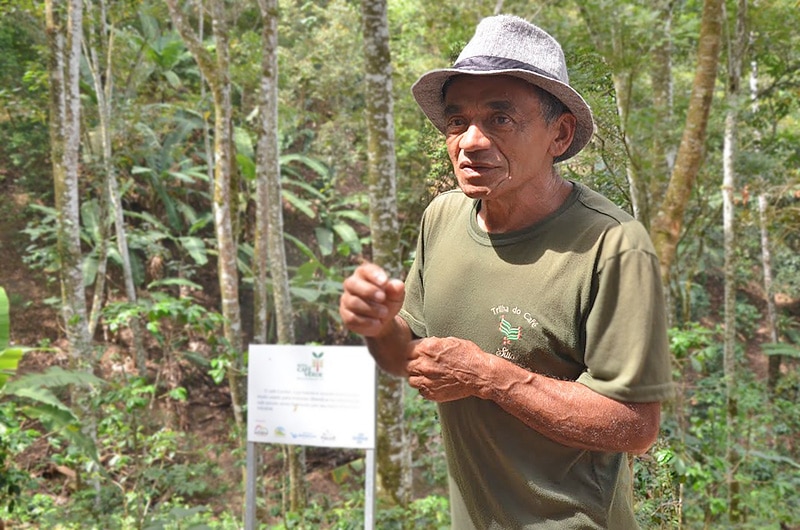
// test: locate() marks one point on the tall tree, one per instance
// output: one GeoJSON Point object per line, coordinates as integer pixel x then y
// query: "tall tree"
{"type": "Point", "coordinates": [64, 29]}
{"type": "Point", "coordinates": [615, 29]}
{"type": "Point", "coordinates": [215, 67]}
{"type": "Point", "coordinates": [394, 457]}
{"type": "Point", "coordinates": [667, 224]}
{"type": "Point", "coordinates": [774, 362]}
{"type": "Point", "coordinates": [270, 250]}
{"type": "Point", "coordinates": [736, 44]}
{"type": "Point", "coordinates": [99, 52]}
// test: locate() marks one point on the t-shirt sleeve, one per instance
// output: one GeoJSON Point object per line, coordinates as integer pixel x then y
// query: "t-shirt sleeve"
{"type": "Point", "coordinates": [412, 310]}
{"type": "Point", "coordinates": [627, 350]}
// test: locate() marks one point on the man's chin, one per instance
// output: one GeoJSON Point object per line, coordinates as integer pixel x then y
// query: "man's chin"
{"type": "Point", "coordinates": [483, 191]}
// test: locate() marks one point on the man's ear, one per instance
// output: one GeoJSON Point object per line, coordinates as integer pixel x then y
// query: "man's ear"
{"type": "Point", "coordinates": [564, 127]}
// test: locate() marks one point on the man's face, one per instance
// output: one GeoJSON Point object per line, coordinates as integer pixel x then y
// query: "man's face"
{"type": "Point", "coordinates": [497, 138]}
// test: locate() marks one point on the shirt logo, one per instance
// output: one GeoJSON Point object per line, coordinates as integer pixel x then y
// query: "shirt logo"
{"type": "Point", "coordinates": [510, 333]}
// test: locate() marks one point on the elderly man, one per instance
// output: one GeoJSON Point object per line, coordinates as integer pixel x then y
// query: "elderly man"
{"type": "Point", "coordinates": [533, 313]}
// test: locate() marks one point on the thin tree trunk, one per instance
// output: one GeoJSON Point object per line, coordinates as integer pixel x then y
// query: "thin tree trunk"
{"type": "Point", "coordinates": [610, 40]}
{"type": "Point", "coordinates": [729, 341]}
{"type": "Point", "coordinates": [103, 76]}
{"type": "Point", "coordinates": [637, 185]}
{"type": "Point", "coordinates": [661, 75]}
{"type": "Point", "coordinates": [736, 47]}
{"type": "Point", "coordinates": [667, 224]}
{"type": "Point", "coordinates": [774, 366]}
{"type": "Point", "coordinates": [270, 250]}
{"type": "Point", "coordinates": [64, 46]}
{"type": "Point", "coordinates": [394, 458]}
{"type": "Point", "coordinates": [65, 52]}
{"type": "Point", "coordinates": [216, 70]}
{"type": "Point", "coordinates": [774, 362]}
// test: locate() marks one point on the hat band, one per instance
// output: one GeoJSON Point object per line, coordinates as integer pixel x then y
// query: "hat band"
{"type": "Point", "coordinates": [487, 63]}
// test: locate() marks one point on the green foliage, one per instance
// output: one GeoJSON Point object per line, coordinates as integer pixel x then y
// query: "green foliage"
{"type": "Point", "coordinates": [8, 362]}
{"type": "Point", "coordinates": [145, 482]}
{"type": "Point", "coordinates": [335, 213]}
{"type": "Point", "coordinates": [37, 401]}
{"type": "Point", "coordinates": [171, 321]}
{"type": "Point", "coordinates": [683, 479]}
{"type": "Point", "coordinates": [431, 512]}
{"type": "Point", "coordinates": [423, 422]}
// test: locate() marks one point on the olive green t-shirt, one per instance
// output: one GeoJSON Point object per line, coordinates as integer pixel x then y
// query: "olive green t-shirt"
{"type": "Point", "coordinates": [575, 297]}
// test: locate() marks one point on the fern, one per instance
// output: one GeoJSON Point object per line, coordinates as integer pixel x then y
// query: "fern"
{"type": "Point", "coordinates": [786, 350]}
{"type": "Point", "coordinates": [53, 377]}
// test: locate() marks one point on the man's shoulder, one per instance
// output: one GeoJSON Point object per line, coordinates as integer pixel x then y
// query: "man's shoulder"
{"type": "Point", "coordinates": [617, 225]}
{"type": "Point", "coordinates": [600, 204]}
{"type": "Point", "coordinates": [448, 202]}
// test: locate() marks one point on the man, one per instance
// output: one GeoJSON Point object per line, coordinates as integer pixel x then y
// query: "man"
{"type": "Point", "coordinates": [533, 312]}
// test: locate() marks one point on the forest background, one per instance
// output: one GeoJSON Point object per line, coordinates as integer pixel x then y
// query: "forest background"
{"type": "Point", "coordinates": [182, 178]}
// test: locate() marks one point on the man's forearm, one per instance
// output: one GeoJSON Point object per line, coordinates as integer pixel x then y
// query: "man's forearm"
{"type": "Point", "coordinates": [572, 414]}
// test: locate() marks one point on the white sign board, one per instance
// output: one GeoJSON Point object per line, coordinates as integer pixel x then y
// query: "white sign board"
{"type": "Point", "coordinates": [311, 395]}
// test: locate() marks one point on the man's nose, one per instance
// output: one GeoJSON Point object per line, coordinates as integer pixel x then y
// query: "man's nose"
{"type": "Point", "coordinates": [473, 139]}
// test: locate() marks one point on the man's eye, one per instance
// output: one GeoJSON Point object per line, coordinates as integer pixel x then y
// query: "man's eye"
{"type": "Point", "coordinates": [501, 119]}
{"type": "Point", "coordinates": [455, 123]}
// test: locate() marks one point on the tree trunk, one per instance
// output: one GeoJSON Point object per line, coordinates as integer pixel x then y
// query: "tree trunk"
{"type": "Point", "coordinates": [270, 250]}
{"type": "Point", "coordinates": [736, 46]}
{"type": "Point", "coordinates": [64, 44]}
{"type": "Point", "coordinates": [394, 458]}
{"type": "Point", "coordinates": [103, 76]}
{"type": "Point", "coordinates": [774, 366]}
{"type": "Point", "coordinates": [216, 70]}
{"type": "Point", "coordinates": [667, 224]}
{"type": "Point", "coordinates": [774, 362]}
{"type": "Point", "coordinates": [661, 75]}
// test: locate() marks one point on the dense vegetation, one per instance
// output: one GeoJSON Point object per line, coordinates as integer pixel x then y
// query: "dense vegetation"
{"type": "Point", "coordinates": [112, 439]}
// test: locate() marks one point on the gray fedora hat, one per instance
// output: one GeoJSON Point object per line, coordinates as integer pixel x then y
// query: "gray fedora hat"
{"type": "Point", "coordinates": [509, 45]}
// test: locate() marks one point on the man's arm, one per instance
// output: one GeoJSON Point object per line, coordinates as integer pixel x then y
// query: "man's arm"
{"type": "Point", "coordinates": [567, 412]}
{"type": "Point", "coordinates": [369, 307]}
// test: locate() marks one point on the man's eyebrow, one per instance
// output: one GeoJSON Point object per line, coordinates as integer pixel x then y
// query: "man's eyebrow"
{"type": "Point", "coordinates": [501, 104]}
{"type": "Point", "coordinates": [451, 109]}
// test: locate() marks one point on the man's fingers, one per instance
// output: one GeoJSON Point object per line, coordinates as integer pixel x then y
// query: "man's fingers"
{"type": "Point", "coordinates": [362, 305]}
{"type": "Point", "coordinates": [371, 273]}
{"type": "Point", "coordinates": [395, 291]}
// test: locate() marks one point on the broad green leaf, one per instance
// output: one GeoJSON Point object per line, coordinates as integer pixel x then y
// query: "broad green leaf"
{"type": "Point", "coordinates": [4, 320]}
{"type": "Point", "coordinates": [324, 240]}
{"type": "Point", "coordinates": [315, 165]}
{"type": "Point", "coordinates": [301, 204]}
{"type": "Point", "coordinates": [243, 142]}
{"type": "Point", "coordinates": [314, 192]}
{"type": "Point", "coordinates": [66, 424]}
{"type": "Point", "coordinates": [173, 79]}
{"type": "Point", "coordinates": [355, 215]}
{"type": "Point", "coordinates": [246, 165]}
{"type": "Point", "coordinates": [786, 350]}
{"type": "Point", "coordinates": [196, 249]}
{"type": "Point", "coordinates": [305, 249]}
{"type": "Point", "coordinates": [174, 281]}
{"type": "Point", "coordinates": [89, 269]}
{"type": "Point", "coordinates": [304, 293]}
{"type": "Point", "coordinates": [9, 359]}
{"type": "Point", "coordinates": [90, 219]}
{"type": "Point", "coordinates": [775, 458]}
{"type": "Point", "coordinates": [348, 235]}
{"type": "Point", "coordinates": [53, 377]}
{"type": "Point", "coordinates": [42, 396]}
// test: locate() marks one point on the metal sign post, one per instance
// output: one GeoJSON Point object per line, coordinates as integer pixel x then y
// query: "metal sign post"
{"type": "Point", "coordinates": [311, 395]}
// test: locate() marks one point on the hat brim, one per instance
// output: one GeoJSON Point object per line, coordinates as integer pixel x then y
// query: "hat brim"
{"type": "Point", "coordinates": [428, 93]}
